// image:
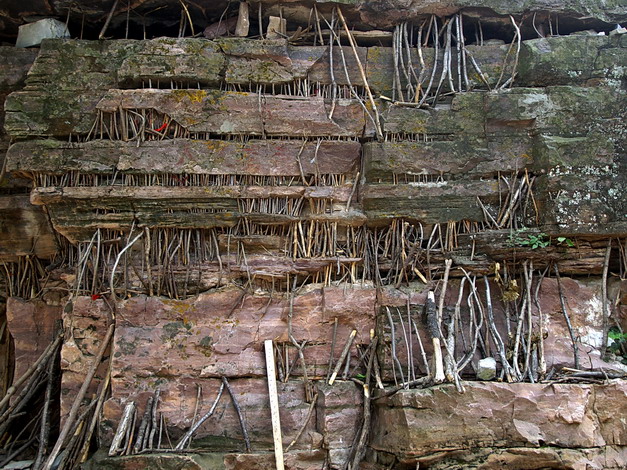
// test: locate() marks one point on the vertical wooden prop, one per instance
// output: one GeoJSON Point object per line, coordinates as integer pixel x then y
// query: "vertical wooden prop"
{"type": "Point", "coordinates": [274, 405]}
{"type": "Point", "coordinates": [433, 327]}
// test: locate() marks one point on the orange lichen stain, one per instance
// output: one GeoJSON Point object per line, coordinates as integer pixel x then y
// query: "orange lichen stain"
{"type": "Point", "coordinates": [195, 96]}
{"type": "Point", "coordinates": [216, 145]}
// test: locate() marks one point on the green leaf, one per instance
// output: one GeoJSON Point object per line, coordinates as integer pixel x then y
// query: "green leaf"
{"type": "Point", "coordinates": [613, 334]}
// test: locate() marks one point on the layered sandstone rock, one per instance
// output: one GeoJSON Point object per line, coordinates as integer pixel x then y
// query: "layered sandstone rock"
{"type": "Point", "coordinates": [216, 195]}
{"type": "Point", "coordinates": [440, 424]}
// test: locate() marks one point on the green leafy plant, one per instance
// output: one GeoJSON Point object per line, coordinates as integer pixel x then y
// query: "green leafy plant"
{"type": "Point", "coordinates": [565, 241]}
{"type": "Point", "coordinates": [533, 240]}
{"type": "Point", "coordinates": [522, 237]}
{"type": "Point", "coordinates": [618, 346]}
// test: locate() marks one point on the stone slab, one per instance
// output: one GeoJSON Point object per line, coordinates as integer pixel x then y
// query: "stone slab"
{"type": "Point", "coordinates": [418, 422]}
{"type": "Point", "coordinates": [217, 112]}
{"type": "Point", "coordinates": [24, 230]}
{"type": "Point", "coordinates": [213, 157]}
{"type": "Point", "coordinates": [204, 340]}
{"type": "Point", "coordinates": [32, 324]}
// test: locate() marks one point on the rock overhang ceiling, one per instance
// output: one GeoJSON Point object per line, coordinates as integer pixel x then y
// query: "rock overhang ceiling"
{"type": "Point", "coordinates": [158, 18]}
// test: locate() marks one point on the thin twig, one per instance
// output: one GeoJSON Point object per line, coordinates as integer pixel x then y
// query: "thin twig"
{"type": "Point", "coordinates": [345, 351]}
{"type": "Point", "coordinates": [239, 413]}
{"type": "Point", "coordinates": [181, 443]}
{"type": "Point", "coordinates": [566, 317]}
{"type": "Point", "coordinates": [79, 398]}
{"type": "Point", "coordinates": [312, 406]}
{"type": "Point", "coordinates": [108, 20]}
{"type": "Point", "coordinates": [604, 299]}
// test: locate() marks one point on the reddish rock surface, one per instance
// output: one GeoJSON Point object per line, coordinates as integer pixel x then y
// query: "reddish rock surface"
{"type": "Point", "coordinates": [222, 431]}
{"type": "Point", "coordinates": [85, 322]}
{"type": "Point", "coordinates": [32, 324]}
{"type": "Point", "coordinates": [421, 422]}
{"type": "Point", "coordinates": [222, 333]}
{"type": "Point", "coordinates": [180, 346]}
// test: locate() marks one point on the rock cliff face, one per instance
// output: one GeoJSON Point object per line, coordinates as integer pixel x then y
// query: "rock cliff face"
{"type": "Point", "coordinates": [387, 207]}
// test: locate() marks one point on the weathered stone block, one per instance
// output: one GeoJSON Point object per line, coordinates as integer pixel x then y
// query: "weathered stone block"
{"type": "Point", "coordinates": [574, 59]}
{"type": "Point", "coordinates": [562, 110]}
{"type": "Point", "coordinates": [53, 113]}
{"type": "Point", "coordinates": [217, 157]}
{"type": "Point", "coordinates": [170, 59]}
{"type": "Point", "coordinates": [69, 64]}
{"type": "Point", "coordinates": [303, 460]}
{"type": "Point", "coordinates": [435, 202]}
{"type": "Point", "coordinates": [417, 422]}
{"type": "Point", "coordinates": [32, 325]}
{"type": "Point", "coordinates": [320, 71]}
{"type": "Point", "coordinates": [15, 65]}
{"type": "Point", "coordinates": [338, 416]}
{"type": "Point", "coordinates": [380, 69]}
{"type": "Point", "coordinates": [464, 157]}
{"type": "Point", "coordinates": [206, 344]}
{"type": "Point", "coordinates": [85, 322]}
{"type": "Point", "coordinates": [222, 431]}
{"type": "Point", "coordinates": [24, 230]}
{"type": "Point", "coordinates": [164, 461]}
{"type": "Point", "coordinates": [465, 115]}
{"type": "Point", "coordinates": [586, 199]}
{"type": "Point", "coordinates": [32, 34]}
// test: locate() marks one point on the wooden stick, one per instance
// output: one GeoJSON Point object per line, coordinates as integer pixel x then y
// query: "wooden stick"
{"type": "Point", "coordinates": [122, 427]}
{"type": "Point", "coordinates": [79, 398]}
{"type": "Point", "coordinates": [604, 300]}
{"type": "Point", "coordinates": [422, 381]}
{"type": "Point", "coordinates": [44, 433]}
{"type": "Point", "coordinates": [333, 341]}
{"type": "Point", "coordinates": [117, 260]}
{"type": "Point", "coordinates": [94, 421]}
{"type": "Point", "coordinates": [146, 419]}
{"type": "Point", "coordinates": [153, 430]}
{"type": "Point", "coordinates": [393, 345]}
{"type": "Point", "coordinates": [422, 349]}
{"type": "Point", "coordinates": [345, 351]}
{"type": "Point", "coordinates": [528, 283]}
{"type": "Point", "coordinates": [567, 318]}
{"type": "Point", "coordinates": [363, 75]}
{"type": "Point", "coordinates": [108, 20]}
{"type": "Point", "coordinates": [189, 18]}
{"type": "Point", "coordinates": [536, 301]}
{"type": "Point", "coordinates": [360, 448]}
{"type": "Point", "coordinates": [312, 406]}
{"type": "Point", "coordinates": [198, 391]}
{"type": "Point", "coordinates": [44, 357]}
{"type": "Point", "coordinates": [510, 373]}
{"type": "Point", "coordinates": [434, 332]}
{"type": "Point", "coordinates": [274, 405]}
{"type": "Point", "coordinates": [180, 444]}
{"type": "Point", "coordinates": [239, 413]}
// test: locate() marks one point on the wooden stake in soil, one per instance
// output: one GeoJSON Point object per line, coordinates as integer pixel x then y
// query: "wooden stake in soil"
{"type": "Point", "coordinates": [274, 405]}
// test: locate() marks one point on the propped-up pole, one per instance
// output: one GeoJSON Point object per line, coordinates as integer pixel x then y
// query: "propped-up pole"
{"type": "Point", "coordinates": [274, 405]}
